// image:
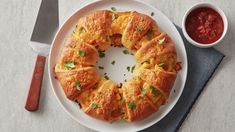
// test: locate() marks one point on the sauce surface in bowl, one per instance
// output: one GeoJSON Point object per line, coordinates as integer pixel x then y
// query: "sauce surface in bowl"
{"type": "Point", "coordinates": [204, 25]}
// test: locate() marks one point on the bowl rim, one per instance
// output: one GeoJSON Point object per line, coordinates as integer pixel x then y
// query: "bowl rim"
{"type": "Point", "coordinates": [209, 5]}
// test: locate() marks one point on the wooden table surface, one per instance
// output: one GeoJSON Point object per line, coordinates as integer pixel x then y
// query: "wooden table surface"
{"type": "Point", "coordinates": [214, 111]}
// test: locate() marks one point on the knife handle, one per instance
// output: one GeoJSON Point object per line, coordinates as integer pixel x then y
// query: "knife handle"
{"type": "Point", "coordinates": [33, 98]}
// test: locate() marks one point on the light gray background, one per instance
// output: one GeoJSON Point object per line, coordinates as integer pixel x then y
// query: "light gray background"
{"type": "Point", "coordinates": [214, 111]}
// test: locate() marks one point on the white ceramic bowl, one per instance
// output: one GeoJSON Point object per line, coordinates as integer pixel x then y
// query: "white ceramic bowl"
{"type": "Point", "coordinates": [209, 5]}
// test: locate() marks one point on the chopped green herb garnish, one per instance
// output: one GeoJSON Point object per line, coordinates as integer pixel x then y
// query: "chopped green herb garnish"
{"type": "Point", "coordinates": [152, 13]}
{"type": "Point", "coordinates": [161, 41]}
{"type": "Point", "coordinates": [154, 72]}
{"type": "Point", "coordinates": [120, 110]}
{"type": "Point", "coordinates": [94, 105]}
{"type": "Point", "coordinates": [128, 68]}
{"type": "Point", "coordinates": [132, 69]}
{"type": "Point", "coordinates": [131, 105]}
{"type": "Point", "coordinates": [106, 77]}
{"type": "Point", "coordinates": [113, 17]}
{"type": "Point", "coordinates": [150, 31]}
{"type": "Point", "coordinates": [141, 18]}
{"type": "Point", "coordinates": [101, 67]}
{"type": "Point", "coordinates": [138, 29]}
{"type": "Point", "coordinates": [82, 30]}
{"type": "Point", "coordinates": [88, 99]}
{"type": "Point", "coordinates": [78, 85]}
{"type": "Point", "coordinates": [101, 54]}
{"type": "Point", "coordinates": [161, 64]}
{"type": "Point", "coordinates": [72, 45]}
{"type": "Point", "coordinates": [123, 101]}
{"type": "Point", "coordinates": [148, 61]}
{"type": "Point", "coordinates": [113, 62]}
{"type": "Point", "coordinates": [124, 117]}
{"type": "Point", "coordinates": [149, 37]}
{"type": "Point", "coordinates": [113, 9]}
{"type": "Point", "coordinates": [154, 90]}
{"type": "Point", "coordinates": [81, 53]}
{"type": "Point", "coordinates": [125, 80]}
{"type": "Point", "coordinates": [69, 64]}
{"type": "Point", "coordinates": [149, 34]}
{"type": "Point", "coordinates": [143, 91]}
{"type": "Point", "coordinates": [125, 52]}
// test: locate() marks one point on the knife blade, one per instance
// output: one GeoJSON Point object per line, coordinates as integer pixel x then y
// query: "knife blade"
{"type": "Point", "coordinates": [45, 27]}
{"type": "Point", "coordinates": [47, 22]}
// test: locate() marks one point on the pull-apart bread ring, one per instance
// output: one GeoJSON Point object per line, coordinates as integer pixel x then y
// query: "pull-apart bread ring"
{"type": "Point", "coordinates": [153, 77]}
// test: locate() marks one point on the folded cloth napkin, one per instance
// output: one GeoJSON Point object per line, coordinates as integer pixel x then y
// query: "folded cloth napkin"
{"type": "Point", "coordinates": [202, 63]}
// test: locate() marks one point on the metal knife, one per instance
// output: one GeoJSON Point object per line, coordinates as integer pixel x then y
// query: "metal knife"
{"type": "Point", "coordinates": [44, 30]}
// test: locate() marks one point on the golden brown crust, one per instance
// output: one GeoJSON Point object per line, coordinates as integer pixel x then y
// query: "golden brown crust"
{"type": "Point", "coordinates": [81, 54]}
{"type": "Point", "coordinates": [104, 105]}
{"type": "Point", "coordinates": [119, 22]}
{"type": "Point", "coordinates": [154, 95]}
{"type": "Point", "coordinates": [155, 49]}
{"type": "Point", "coordinates": [135, 30]}
{"type": "Point", "coordinates": [86, 77]}
{"type": "Point", "coordinates": [151, 33]}
{"type": "Point", "coordinates": [153, 77]}
{"type": "Point", "coordinates": [95, 29]}
{"type": "Point", "coordinates": [138, 106]}
{"type": "Point", "coordinates": [157, 77]}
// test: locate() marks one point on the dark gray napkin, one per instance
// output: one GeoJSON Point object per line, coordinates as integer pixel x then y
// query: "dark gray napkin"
{"type": "Point", "coordinates": [202, 63]}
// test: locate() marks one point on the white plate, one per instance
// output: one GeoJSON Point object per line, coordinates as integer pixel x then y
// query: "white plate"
{"type": "Point", "coordinates": [116, 72]}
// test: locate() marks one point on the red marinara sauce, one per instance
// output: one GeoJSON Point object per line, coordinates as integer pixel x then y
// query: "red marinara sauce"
{"type": "Point", "coordinates": [204, 25]}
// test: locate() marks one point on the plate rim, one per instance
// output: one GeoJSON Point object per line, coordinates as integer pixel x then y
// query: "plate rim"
{"type": "Point", "coordinates": [50, 71]}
